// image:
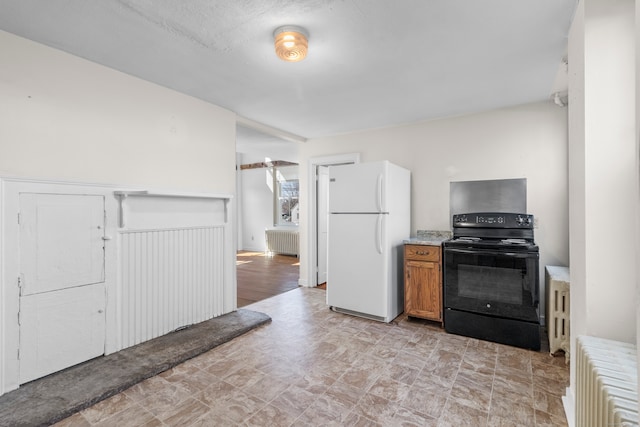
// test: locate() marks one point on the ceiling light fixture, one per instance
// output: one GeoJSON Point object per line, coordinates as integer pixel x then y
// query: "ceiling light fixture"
{"type": "Point", "coordinates": [291, 43]}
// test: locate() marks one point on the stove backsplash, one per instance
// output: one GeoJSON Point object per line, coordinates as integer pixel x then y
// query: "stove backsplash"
{"type": "Point", "coordinates": [496, 195]}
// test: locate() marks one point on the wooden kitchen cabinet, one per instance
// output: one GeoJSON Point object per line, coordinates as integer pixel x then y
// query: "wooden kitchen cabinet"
{"type": "Point", "coordinates": [423, 282]}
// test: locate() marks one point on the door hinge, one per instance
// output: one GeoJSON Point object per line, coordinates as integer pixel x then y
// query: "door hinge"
{"type": "Point", "coordinates": [20, 285]}
{"type": "Point", "coordinates": [18, 217]}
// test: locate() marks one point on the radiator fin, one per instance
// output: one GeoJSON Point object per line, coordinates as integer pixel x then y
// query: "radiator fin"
{"type": "Point", "coordinates": [558, 281]}
{"type": "Point", "coordinates": [170, 278]}
{"type": "Point", "coordinates": [282, 242]}
{"type": "Point", "coordinates": [606, 383]}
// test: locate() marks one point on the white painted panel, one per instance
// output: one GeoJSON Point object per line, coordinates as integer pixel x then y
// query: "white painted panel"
{"type": "Point", "coordinates": [170, 278]}
{"type": "Point", "coordinates": [151, 212]}
{"type": "Point", "coordinates": [61, 243]}
{"type": "Point", "coordinates": [60, 329]}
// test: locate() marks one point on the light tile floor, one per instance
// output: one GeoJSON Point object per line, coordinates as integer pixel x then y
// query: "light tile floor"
{"type": "Point", "coordinates": [311, 366]}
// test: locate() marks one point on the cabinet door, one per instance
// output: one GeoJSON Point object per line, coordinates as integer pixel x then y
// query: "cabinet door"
{"type": "Point", "coordinates": [423, 293]}
{"type": "Point", "coordinates": [63, 295]}
{"type": "Point", "coordinates": [61, 241]}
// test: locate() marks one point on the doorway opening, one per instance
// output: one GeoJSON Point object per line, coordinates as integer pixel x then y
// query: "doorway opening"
{"type": "Point", "coordinates": [318, 179]}
{"type": "Point", "coordinates": [261, 276]}
{"type": "Point", "coordinates": [267, 211]}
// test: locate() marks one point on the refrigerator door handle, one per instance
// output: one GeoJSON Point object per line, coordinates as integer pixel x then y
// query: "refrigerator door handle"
{"type": "Point", "coordinates": [379, 233]}
{"type": "Point", "coordinates": [379, 201]}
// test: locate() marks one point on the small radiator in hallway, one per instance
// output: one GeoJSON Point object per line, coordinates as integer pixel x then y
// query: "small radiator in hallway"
{"type": "Point", "coordinates": [558, 282]}
{"type": "Point", "coordinates": [606, 383]}
{"type": "Point", "coordinates": [282, 242]}
{"type": "Point", "coordinates": [169, 278]}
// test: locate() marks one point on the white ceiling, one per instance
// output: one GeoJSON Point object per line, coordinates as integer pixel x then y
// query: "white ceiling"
{"type": "Point", "coordinates": [371, 63]}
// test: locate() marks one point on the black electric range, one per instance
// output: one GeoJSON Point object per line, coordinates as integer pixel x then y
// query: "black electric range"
{"type": "Point", "coordinates": [491, 279]}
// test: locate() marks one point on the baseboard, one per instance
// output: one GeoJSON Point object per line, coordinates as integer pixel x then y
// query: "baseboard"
{"type": "Point", "coordinates": [569, 404]}
{"type": "Point", "coordinates": [304, 283]}
{"type": "Point", "coordinates": [248, 249]}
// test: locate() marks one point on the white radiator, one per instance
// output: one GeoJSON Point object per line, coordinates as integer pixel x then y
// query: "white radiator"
{"type": "Point", "coordinates": [606, 383]}
{"type": "Point", "coordinates": [282, 242]}
{"type": "Point", "coordinates": [169, 278]}
{"type": "Point", "coordinates": [557, 285]}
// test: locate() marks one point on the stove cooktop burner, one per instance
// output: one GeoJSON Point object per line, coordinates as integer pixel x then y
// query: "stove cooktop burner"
{"type": "Point", "coordinates": [514, 242]}
{"type": "Point", "coordinates": [467, 239]}
{"type": "Point", "coordinates": [490, 243]}
{"type": "Point", "coordinates": [490, 229]}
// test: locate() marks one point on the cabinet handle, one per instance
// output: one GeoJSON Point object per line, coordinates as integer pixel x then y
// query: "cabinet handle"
{"type": "Point", "coordinates": [422, 253]}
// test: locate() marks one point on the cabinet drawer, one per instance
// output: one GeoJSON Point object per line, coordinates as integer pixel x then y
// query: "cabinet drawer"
{"type": "Point", "coordinates": [422, 252]}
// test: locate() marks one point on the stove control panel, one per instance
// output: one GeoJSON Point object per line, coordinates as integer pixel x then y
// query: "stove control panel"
{"type": "Point", "coordinates": [493, 220]}
{"type": "Point", "coordinates": [524, 220]}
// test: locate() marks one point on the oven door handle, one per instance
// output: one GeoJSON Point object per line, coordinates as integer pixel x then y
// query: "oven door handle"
{"type": "Point", "coordinates": [490, 252]}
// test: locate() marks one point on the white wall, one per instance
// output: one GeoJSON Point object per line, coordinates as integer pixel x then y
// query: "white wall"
{"type": "Point", "coordinates": [577, 195]}
{"type": "Point", "coordinates": [603, 169]}
{"type": "Point", "coordinates": [70, 119]}
{"type": "Point", "coordinates": [528, 141]}
{"type": "Point", "coordinates": [257, 207]}
{"type": "Point", "coordinates": [603, 172]}
{"type": "Point", "coordinates": [610, 166]}
{"type": "Point", "coordinates": [637, 221]}
{"type": "Point", "coordinates": [255, 194]}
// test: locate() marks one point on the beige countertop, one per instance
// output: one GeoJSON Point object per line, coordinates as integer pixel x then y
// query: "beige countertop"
{"type": "Point", "coordinates": [429, 238]}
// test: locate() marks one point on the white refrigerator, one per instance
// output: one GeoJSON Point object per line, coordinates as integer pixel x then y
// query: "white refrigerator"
{"type": "Point", "coordinates": [369, 218]}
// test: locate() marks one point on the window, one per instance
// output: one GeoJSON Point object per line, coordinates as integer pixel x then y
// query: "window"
{"type": "Point", "coordinates": [286, 208]}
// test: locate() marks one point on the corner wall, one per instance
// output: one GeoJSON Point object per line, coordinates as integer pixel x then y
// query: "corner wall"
{"type": "Point", "coordinates": [65, 119]}
{"type": "Point", "coordinates": [602, 151]}
{"type": "Point", "coordinates": [603, 173]}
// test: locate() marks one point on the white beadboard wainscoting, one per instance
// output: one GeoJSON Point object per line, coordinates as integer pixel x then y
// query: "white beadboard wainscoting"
{"type": "Point", "coordinates": [169, 278]}
{"type": "Point", "coordinates": [167, 260]}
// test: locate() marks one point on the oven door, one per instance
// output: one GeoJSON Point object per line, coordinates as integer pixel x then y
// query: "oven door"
{"type": "Point", "coordinates": [492, 282]}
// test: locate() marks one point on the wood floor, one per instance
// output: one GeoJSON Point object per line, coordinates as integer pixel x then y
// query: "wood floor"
{"type": "Point", "coordinates": [261, 276]}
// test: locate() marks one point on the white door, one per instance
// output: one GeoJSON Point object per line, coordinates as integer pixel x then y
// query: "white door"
{"type": "Point", "coordinates": [358, 266]}
{"type": "Point", "coordinates": [62, 294]}
{"type": "Point", "coordinates": [321, 218]}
